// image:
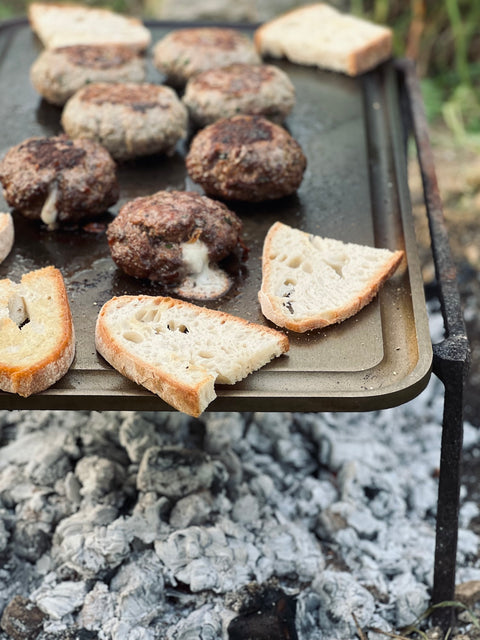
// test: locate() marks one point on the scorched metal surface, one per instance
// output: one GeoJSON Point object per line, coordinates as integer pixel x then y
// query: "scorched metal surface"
{"type": "Point", "coordinates": [355, 189]}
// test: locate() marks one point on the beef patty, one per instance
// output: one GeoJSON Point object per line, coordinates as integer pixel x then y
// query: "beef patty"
{"type": "Point", "coordinates": [128, 119]}
{"type": "Point", "coordinates": [183, 53]}
{"type": "Point", "coordinates": [255, 89]}
{"type": "Point", "coordinates": [58, 73]}
{"type": "Point", "coordinates": [59, 180]}
{"type": "Point", "coordinates": [246, 158]}
{"type": "Point", "coordinates": [149, 236]}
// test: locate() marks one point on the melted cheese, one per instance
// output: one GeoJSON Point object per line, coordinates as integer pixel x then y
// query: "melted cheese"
{"type": "Point", "coordinates": [203, 280]}
{"type": "Point", "coordinates": [49, 210]}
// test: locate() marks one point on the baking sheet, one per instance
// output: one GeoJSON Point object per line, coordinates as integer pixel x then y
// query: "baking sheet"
{"type": "Point", "coordinates": [354, 189]}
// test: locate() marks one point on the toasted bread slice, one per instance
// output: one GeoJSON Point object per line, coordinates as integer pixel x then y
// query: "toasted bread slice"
{"type": "Point", "coordinates": [59, 25]}
{"type": "Point", "coordinates": [318, 34]}
{"type": "Point", "coordinates": [7, 235]}
{"type": "Point", "coordinates": [178, 350]}
{"type": "Point", "coordinates": [37, 341]}
{"type": "Point", "coordinates": [309, 282]}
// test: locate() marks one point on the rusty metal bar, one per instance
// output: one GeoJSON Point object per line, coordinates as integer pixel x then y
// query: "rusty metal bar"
{"type": "Point", "coordinates": [451, 357]}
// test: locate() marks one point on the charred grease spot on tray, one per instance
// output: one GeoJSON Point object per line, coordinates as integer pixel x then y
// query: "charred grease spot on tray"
{"type": "Point", "coordinates": [98, 56]}
{"type": "Point", "coordinates": [58, 154]}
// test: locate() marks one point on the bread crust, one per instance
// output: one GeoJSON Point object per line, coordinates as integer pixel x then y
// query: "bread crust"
{"type": "Point", "coordinates": [98, 25]}
{"type": "Point", "coordinates": [37, 374]}
{"type": "Point", "coordinates": [7, 235]}
{"type": "Point", "coordinates": [272, 310]}
{"type": "Point", "coordinates": [285, 36]}
{"type": "Point", "coordinates": [190, 398]}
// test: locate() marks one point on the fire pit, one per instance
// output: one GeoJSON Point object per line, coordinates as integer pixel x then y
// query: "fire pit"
{"type": "Point", "coordinates": [111, 542]}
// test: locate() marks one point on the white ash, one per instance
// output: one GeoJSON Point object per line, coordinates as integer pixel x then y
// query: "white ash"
{"type": "Point", "coordinates": [140, 525]}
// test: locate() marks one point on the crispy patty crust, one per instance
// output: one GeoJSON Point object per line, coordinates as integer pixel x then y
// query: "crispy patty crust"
{"type": "Point", "coordinates": [246, 158]}
{"type": "Point", "coordinates": [128, 119]}
{"type": "Point", "coordinates": [59, 180]}
{"type": "Point", "coordinates": [146, 237]}
{"type": "Point", "coordinates": [58, 73]}
{"type": "Point", "coordinates": [183, 53]}
{"type": "Point", "coordinates": [254, 89]}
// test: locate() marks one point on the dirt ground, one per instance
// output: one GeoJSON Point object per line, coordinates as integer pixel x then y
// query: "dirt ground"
{"type": "Point", "coordinates": [458, 173]}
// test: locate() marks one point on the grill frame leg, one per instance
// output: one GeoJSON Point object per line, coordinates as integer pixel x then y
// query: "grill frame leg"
{"type": "Point", "coordinates": [451, 357]}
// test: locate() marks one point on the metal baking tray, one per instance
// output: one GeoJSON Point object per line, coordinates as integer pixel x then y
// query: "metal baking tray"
{"type": "Point", "coordinates": [355, 189]}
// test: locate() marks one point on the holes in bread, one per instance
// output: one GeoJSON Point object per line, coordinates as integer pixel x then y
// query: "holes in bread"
{"type": "Point", "coordinates": [294, 262]}
{"type": "Point", "coordinates": [172, 326]}
{"type": "Point", "coordinates": [337, 263]}
{"type": "Point", "coordinates": [133, 336]}
{"type": "Point", "coordinates": [148, 315]}
{"type": "Point", "coordinates": [17, 310]}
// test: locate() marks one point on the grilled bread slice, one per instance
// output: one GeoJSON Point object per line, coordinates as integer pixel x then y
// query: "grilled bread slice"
{"type": "Point", "coordinates": [178, 350]}
{"type": "Point", "coordinates": [320, 35]}
{"type": "Point", "coordinates": [309, 282]}
{"type": "Point", "coordinates": [59, 25]}
{"type": "Point", "coordinates": [37, 341]}
{"type": "Point", "coordinates": [7, 235]}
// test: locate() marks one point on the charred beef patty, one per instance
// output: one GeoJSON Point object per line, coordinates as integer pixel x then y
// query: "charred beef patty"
{"type": "Point", "coordinates": [146, 238]}
{"type": "Point", "coordinates": [128, 119]}
{"type": "Point", "coordinates": [246, 158]}
{"type": "Point", "coordinates": [59, 180]}
{"type": "Point", "coordinates": [255, 89]}
{"type": "Point", "coordinates": [183, 53]}
{"type": "Point", "coordinates": [58, 73]}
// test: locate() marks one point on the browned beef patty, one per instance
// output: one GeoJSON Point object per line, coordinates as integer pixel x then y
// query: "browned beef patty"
{"type": "Point", "coordinates": [59, 180]}
{"type": "Point", "coordinates": [146, 237]}
{"type": "Point", "coordinates": [183, 53]}
{"type": "Point", "coordinates": [58, 73]}
{"type": "Point", "coordinates": [128, 119]}
{"type": "Point", "coordinates": [255, 89]}
{"type": "Point", "coordinates": [246, 158]}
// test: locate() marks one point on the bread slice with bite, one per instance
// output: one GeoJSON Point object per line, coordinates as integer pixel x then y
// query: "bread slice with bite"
{"type": "Point", "coordinates": [37, 340]}
{"type": "Point", "coordinates": [320, 35]}
{"type": "Point", "coordinates": [7, 235]}
{"type": "Point", "coordinates": [309, 282]}
{"type": "Point", "coordinates": [59, 25]}
{"type": "Point", "coordinates": [179, 350]}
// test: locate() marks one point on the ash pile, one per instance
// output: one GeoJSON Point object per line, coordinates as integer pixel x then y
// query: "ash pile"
{"type": "Point", "coordinates": [139, 526]}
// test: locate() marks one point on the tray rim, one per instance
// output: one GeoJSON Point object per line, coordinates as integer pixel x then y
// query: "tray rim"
{"type": "Point", "coordinates": [238, 398]}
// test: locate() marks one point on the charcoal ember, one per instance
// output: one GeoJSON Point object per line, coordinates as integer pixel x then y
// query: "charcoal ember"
{"type": "Point", "coordinates": [30, 540]}
{"type": "Point", "coordinates": [342, 600]}
{"type": "Point", "coordinates": [206, 623]}
{"type": "Point", "coordinates": [137, 435]}
{"type": "Point", "coordinates": [98, 609]}
{"type": "Point", "coordinates": [218, 558]}
{"type": "Point", "coordinates": [194, 509]}
{"type": "Point", "coordinates": [223, 431]}
{"type": "Point", "coordinates": [265, 612]}
{"type": "Point", "coordinates": [138, 588]}
{"type": "Point", "coordinates": [72, 488]}
{"type": "Point", "coordinates": [52, 465]}
{"type": "Point", "coordinates": [176, 472]}
{"type": "Point", "coordinates": [4, 534]}
{"type": "Point", "coordinates": [246, 509]}
{"type": "Point", "coordinates": [57, 599]}
{"type": "Point", "coordinates": [150, 512]}
{"type": "Point", "coordinates": [69, 634]}
{"type": "Point", "coordinates": [98, 476]}
{"type": "Point", "coordinates": [22, 619]}
{"type": "Point", "coordinates": [412, 600]}
{"type": "Point", "coordinates": [91, 540]}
